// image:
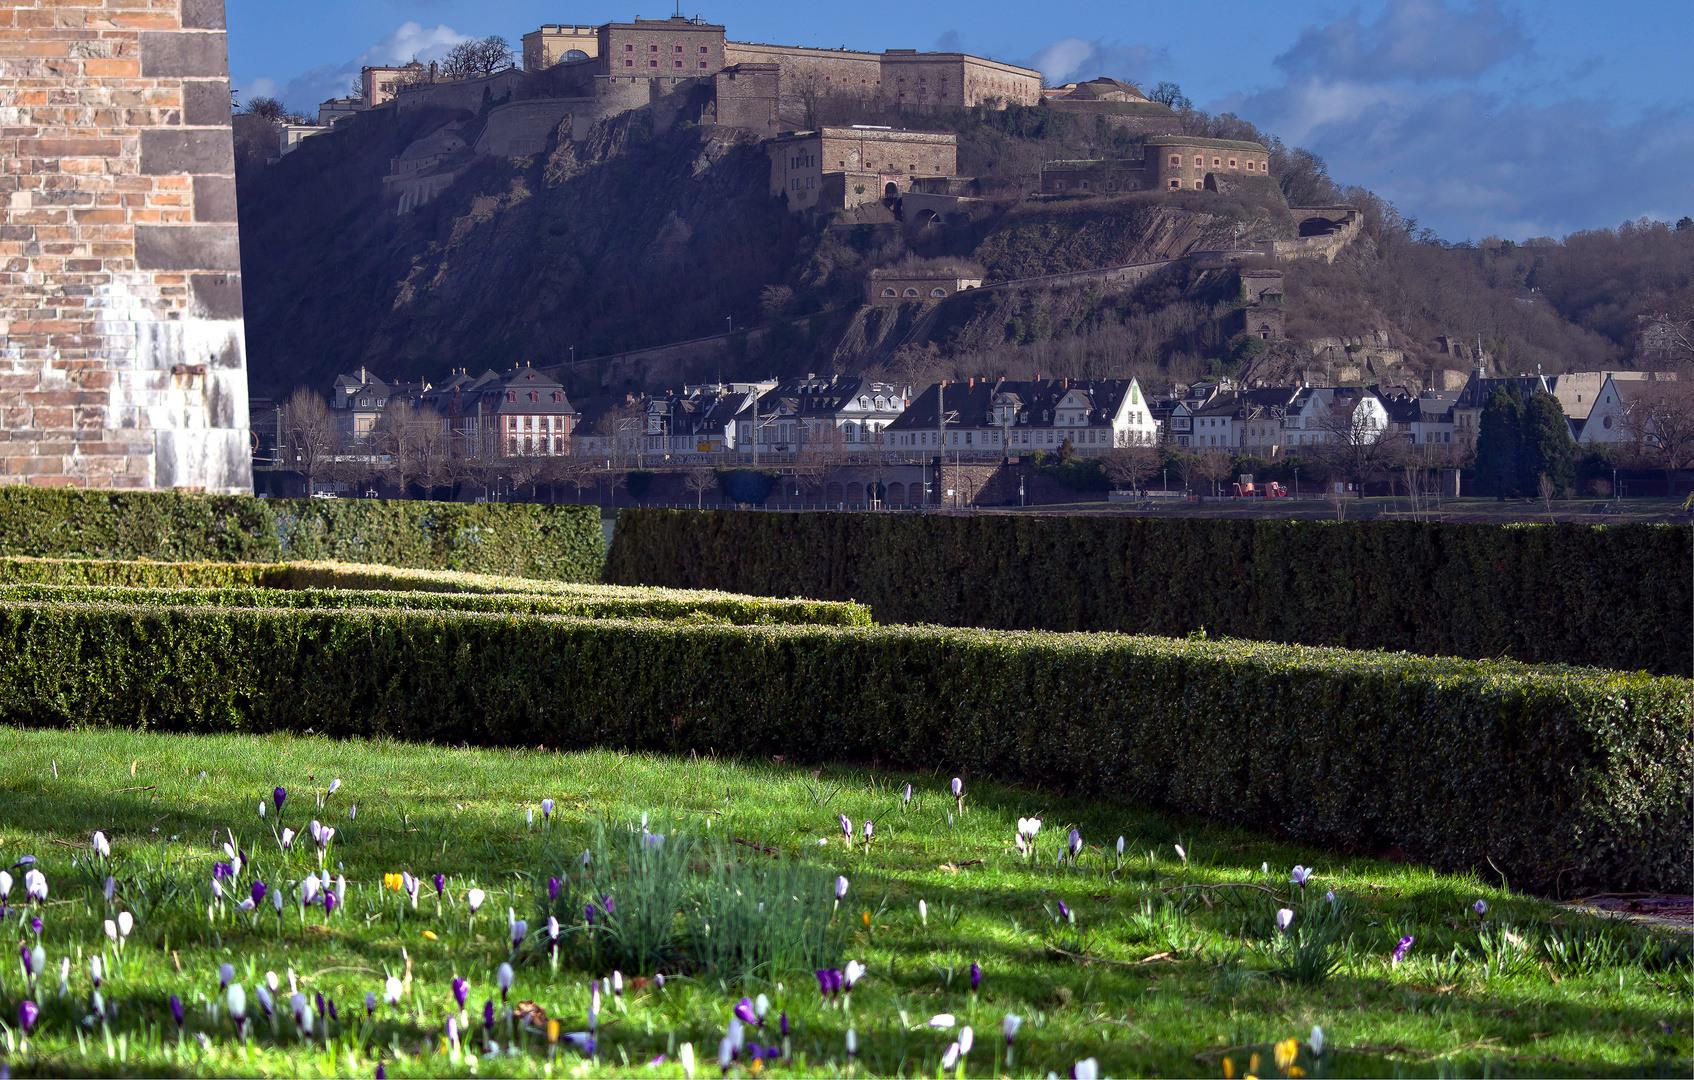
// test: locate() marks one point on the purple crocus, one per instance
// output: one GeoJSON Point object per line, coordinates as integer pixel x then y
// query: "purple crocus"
{"type": "Point", "coordinates": [440, 885]}
{"type": "Point", "coordinates": [1400, 949]}
{"type": "Point", "coordinates": [908, 800]}
{"type": "Point", "coordinates": [27, 1012]}
{"type": "Point", "coordinates": [958, 787]}
{"type": "Point", "coordinates": [847, 827]}
{"type": "Point", "coordinates": [782, 1024]}
{"type": "Point", "coordinates": [1064, 911]}
{"type": "Point", "coordinates": [744, 1013]}
{"type": "Point", "coordinates": [381, 1073]}
{"type": "Point", "coordinates": [840, 888]}
{"type": "Point", "coordinates": [226, 975]}
{"type": "Point", "coordinates": [869, 830]}
{"type": "Point", "coordinates": [329, 902]}
{"type": "Point", "coordinates": [829, 981]}
{"type": "Point", "coordinates": [259, 891]}
{"type": "Point", "coordinates": [1480, 907]}
{"type": "Point", "coordinates": [976, 976]}
{"type": "Point", "coordinates": [279, 795]}
{"type": "Point", "coordinates": [221, 870]}
{"type": "Point", "coordinates": [546, 809]}
{"type": "Point", "coordinates": [588, 913]}
{"type": "Point", "coordinates": [461, 990]}
{"type": "Point", "coordinates": [1075, 843]}
{"type": "Point", "coordinates": [370, 1002]}
{"type": "Point", "coordinates": [488, 1014]}
{"type": "Point", "coordinates": [552, 890]}
{"type": "Point", "coordinates": [320, 1003]}
{"type": "Point", "coordinates": [520, 930]}
{"type": "Point", "coordinates": [609, 904]}
{"type": "Point", "coordinates": [176, 1010]}
{"type": "Point", "coordinates": [332, 1014]}
{"type": "Point", "coordinates": [29, 965]}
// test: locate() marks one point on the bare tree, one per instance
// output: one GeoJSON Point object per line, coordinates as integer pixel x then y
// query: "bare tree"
{"type": "Point", "coordinates": [1132, 466]}
{"type": "Point", "coordinates": [309, 435]}
{"type": "Point", "coordinates": [392, 436]}
{"type": "Point", "coordinates": [1659, 420]}
{"type": "Point", "coordinates": [431, 450]}
{"type": "Point", "coordinates": [1355, 442]}
{"type": "Point", "coordinates": [699, 481]}
{"type": "Point", "coordinates": [819, 457]}
{"type": "Point", "coordinates": [469, 59]}
{"type": "Point", "coordinates": [1212, 466]}
{"type": "Point", "coordinates": [576, 472]}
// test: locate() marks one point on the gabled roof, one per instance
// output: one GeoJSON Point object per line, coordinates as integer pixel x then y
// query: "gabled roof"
{"type": "Point", "coordinates": [970, 404]}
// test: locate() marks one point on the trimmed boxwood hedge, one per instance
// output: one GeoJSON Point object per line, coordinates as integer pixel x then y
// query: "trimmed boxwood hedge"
{"type": "Point", "coordinates": [1615, 596]}
{"type": "Point", "coordinates": [604, 603]}
{"type": "Point", "coordinates": [1562, 778]}
{"type": "Point", "coordinates": [562, 543]}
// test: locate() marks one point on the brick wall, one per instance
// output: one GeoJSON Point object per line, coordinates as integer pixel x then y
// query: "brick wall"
{"type": "Point", "coordinates": [122, 360]}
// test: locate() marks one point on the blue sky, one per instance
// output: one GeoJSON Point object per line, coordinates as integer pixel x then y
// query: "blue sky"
{"type": "Point", "coordinates": [1477, 117]}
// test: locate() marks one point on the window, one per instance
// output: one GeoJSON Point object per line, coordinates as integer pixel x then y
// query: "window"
{"type": "Point", "coordinates": [676, 48]}
{"type": "Point", "coordinates": [652, 48]}
{"type": "Point", "coordinates": [1232, 163]}
{"type": "Point", "coordinates": [889, 292]}
{"type": "Point", "coordinates": [1175, 160]}
{"type": "Point", "coordinates": [511, 395]}
{"type": "Point", "coordinates": [629, 63]}
{"type": "Point", "coordinates": [1249, 166]}
{"type": "Point", "coordinates": [911, 292]}
{"type": "Point", "coordinates": [558, 397]}
{"type": "Point", "coordinates": [938, 292]}
{"type": "Point", "coordinates": [1175, 184]}
{"type": "Point", "coordinates": [676, 63]}
{"type": "Point", "coordinates": [1199, 185]}
{"type": "Point", "coordinates": [1216, 162]}
{"type": "Point", "coordinates": [652, 63]}
{"type": "Point", "coordinates": [704, 50]}
{"type": "Point", "coordinates": [1199, 161]}
{"type": "Point", "coordinates": [702, 65]}
{"type": "Point", "coordinates": [629, 48]}
{"type": "Point", "coordinates": [533, 396]}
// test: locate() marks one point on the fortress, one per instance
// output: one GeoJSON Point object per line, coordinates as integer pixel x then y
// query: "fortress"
{"type": "Point", "coordinates": [122, 360]}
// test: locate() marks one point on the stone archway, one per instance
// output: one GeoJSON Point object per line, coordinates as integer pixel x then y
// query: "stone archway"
{"type": "Point", "coordinates": [833, 494]}
{"type": "Point", "coordinates": [855, 494]}
{"type": "Point", "coordinates": [896, 495]}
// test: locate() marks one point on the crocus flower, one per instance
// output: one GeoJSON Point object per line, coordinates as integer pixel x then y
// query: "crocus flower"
{"type": "Point", "coordinates": [287, 839]}
{"type": "Point", "coordinates": [552, 890]}
{"type": "Point", "coordinates": [588, 914]}
{"type": "Point", "coordinates": [503, 976]}
{"type": "Point", "coordinates": [217, 889]}
{"type": "Point", "coordinates": [782, 1021]}
{"type": "Point", "coordinates": [829, 980]}
{"type": "Point", "coordinates": [1317, 1041]}
{"type": "Point", "coordinates": [329, 902]}
{"type": "Point", "coordinates": [109, 888]}
{"type": "Point", "coordinates": [24, 860]}
{"type": "Point", "coordinates": [29, 964]}
{"type": "Point", "coordinates": [942, 1020]}
{"type": "Point", "coordinates": [852, 1042]}
{"type": "Point", "coordinates": [279, 795]}
{"type": "Point", "coordinates": [847, 827]}
{"type": "Point", "coordinates": [222, 870]}
{"type": "Point", "coordinates": [176, 1010]}
{"type": "Point", "coordinates": [652, 841]}
{"type": "Point", "coordinates": [1065, 912]}
{"type": "Point", "coordinates": [226, 973]}
{"type": "Point", "coordinates": [923, 912]}
{"type": "Point", "coordinates": [236, 998]}
{"type": "Point", "coordinates": [35, 885]}
{"type": "Point", "coordinates": [461, 990]}
{"type": "Point", "coordinates": [1086, 1069]}
{"type": "Point", "coordinates": [1284, 917]}
{"type": "Point", "coordinates": [102, 847]}
{"type": "Point", "coordinates": [976, 976]}
{"type": "Point", "coordinates": [474, 898]}
{"type": "Point", "coordinates": [1120, 847]}
{"type": "Point", "coordinates": [529, 816]}
{"type": "Point", "coordinates": [853, 973]}
{"type": "Point", "coordinates": [1010, 1026]}
{"type": "Point", "coordinates": [266, 1002]}
{"type": "Point", "coordinates": [276, 901]}
{"type": "Point", "coordinates": [609, 903]}
{"type": "Point", "coordinates": [96, 971]}
{"type": "Point", "coordinates": [111, 930]}
{"type": "Point", "coordinates": [950, 1058]}
{"type": "Point", "coordinates": [1330, 896]}
{"type": "Point", "coordinates": [761, 1007]}
{"type": "Point", "coordinates": [5, 884]}
{"type": "Point", "coordinates": [352, 811]}
{"type": "Point", "coordinates": [520, 930]}
{"type": "Point", "coordinates": [744, 1012]}
{"type": "Point", "coordinates": [908, 801]}
{"type": "Point", "coordinates": [726, 1053]}
{"type": "Point", "coordinates": [1181, 854]}
{"type": "Point", "coordinates": [370, 1002]}
{"type": "Point", "coordinates": [261, 808]}
{"type": "Point", "coordinates": [1480, 907]}
{"type": "Point", "coordinates": [393, 990]}
{"type": "Point", "coordinates": [552, 928]}
{"type": "Point", "coordinates": [547, 809]}
{"type": "Point", "coordinates": [247, 904]}
{"type": "Point", "coordinates": [594, 1006]}
{"type": "Point", "coordinates": [334, 786]}
{"type": "Point", "coordinates": [967, 1039]}
{"type": "Point", "coordinates": [1075, 843]}
{"type": "Point", "coordinates": [440, 885]}
{"type": "Point", "coordinates": [258, 890]}
{"type": "Point", "coordinates": [27, 1012]}
{"type": "Point", "coordinates": [126, 923]}
{"type": "Point", "coordinates": [1400, 949]}
{"type": "Point", "coordinates": [840, 888]}
{"type": "Point", "coordinates": [309, 889]}
{"type": "Point", "coordinates": [869, 829]}
{"type": "Point", "coordinates": [1299, 876]}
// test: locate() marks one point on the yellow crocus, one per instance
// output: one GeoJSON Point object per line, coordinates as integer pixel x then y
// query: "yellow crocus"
{"type": "Point", "coordinates": [1228, 1069]}
{"type": "Point", "coordinates": [429, 935]}
{"type": "Point", "coordinates": [552, 1031]}
{"type": "Point", "coordinates": [1286, 1051]}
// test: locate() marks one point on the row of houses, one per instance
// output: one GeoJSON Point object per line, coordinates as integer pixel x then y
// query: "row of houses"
{"type": "Point", "coordinates": [525, 412]}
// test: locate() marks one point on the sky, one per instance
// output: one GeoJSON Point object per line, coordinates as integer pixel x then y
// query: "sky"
{"type": "Point", "coordinates": [1476, 117]}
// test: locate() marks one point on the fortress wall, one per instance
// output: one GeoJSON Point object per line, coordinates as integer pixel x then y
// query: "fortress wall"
{"type": "Point", "coordinates": [523, 128]}
{"type": "Point", "coordinates": [746, 97]}
{"type": "Point", "coordinates": [122, 356]}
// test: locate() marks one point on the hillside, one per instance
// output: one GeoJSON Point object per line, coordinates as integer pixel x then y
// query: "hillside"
{"type": "Point", "coordinates": [636, 238]}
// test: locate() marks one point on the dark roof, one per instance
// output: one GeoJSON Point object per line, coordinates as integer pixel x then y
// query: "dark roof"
{"type": "Point", "coordinates": [971, 403]}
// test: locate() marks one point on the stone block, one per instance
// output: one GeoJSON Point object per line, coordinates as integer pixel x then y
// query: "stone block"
{"type": "Point", "coordinates": [205, 101]}
{"type": "Point", "coordinates": [214, 198]}
{"type": "Point", "coordinates": [187, 247]}
{"type": "Point", "coordinates": [203, 14]}
{"type": "Point", "coordinates": [165, 54]}
{"type": "Point", "coordinates": [168, 152]}
{"type": "Point", "coordinates": [217, 296]}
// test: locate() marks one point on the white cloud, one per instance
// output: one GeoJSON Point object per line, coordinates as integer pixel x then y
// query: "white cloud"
{"type": "Point", "coordinates": [306, 90]}
{"type": "Point", "coordinates": [1401, 106]}
{"type": "Point", "coordinates": [1074, 59]}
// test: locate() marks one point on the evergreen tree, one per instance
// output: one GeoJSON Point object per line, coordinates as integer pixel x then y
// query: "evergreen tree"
{"type": "Point", "coordinates": [1499, 444]}
{"type": "Point", "coordinates": [1546, 447]}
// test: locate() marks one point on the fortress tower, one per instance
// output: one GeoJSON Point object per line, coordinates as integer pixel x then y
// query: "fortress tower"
{"type": "Point", "coordinates": [122, 361]}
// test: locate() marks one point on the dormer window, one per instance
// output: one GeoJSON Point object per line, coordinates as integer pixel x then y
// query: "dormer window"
{"type": "Point", "coordinates": [511, 395]}
{"type": "Point", "coordinates": [533, 396]}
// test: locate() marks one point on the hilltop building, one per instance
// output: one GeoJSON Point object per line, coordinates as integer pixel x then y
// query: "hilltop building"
{"type": "Point", "coordinates": [1168, 163]}
{"type": "Point", "coordinates": [559, 45]}
{"type": "Point", "coordinates": [836, 168]}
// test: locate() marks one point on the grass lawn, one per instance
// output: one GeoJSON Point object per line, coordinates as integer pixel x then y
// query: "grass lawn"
{"type": "Point", "coordinates": [1172, 966]}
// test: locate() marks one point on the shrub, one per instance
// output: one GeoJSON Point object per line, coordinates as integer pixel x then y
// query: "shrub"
{"type": "Point", "coordinates": [1614, 596]}
{"type": "Point", "coordinates": [1558, 777]}
{"type": "Point", "coordinates": [562, 543]}
{"type": "Point", "coordinates": [606, 602]}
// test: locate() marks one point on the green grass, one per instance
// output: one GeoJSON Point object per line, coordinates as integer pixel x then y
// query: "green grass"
{"type": "Point", "coordinates": [1184, 965]}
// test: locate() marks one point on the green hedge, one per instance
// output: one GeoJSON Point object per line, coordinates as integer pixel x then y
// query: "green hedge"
{"type": "Point", "coordinates": [562, 543]}
{"type": "Point", "coordinates": [1562, 778]}
{"type": "Point", "coordinates": [604, 603]}
{"type": "Point", "coordinates": [1615, 596]}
